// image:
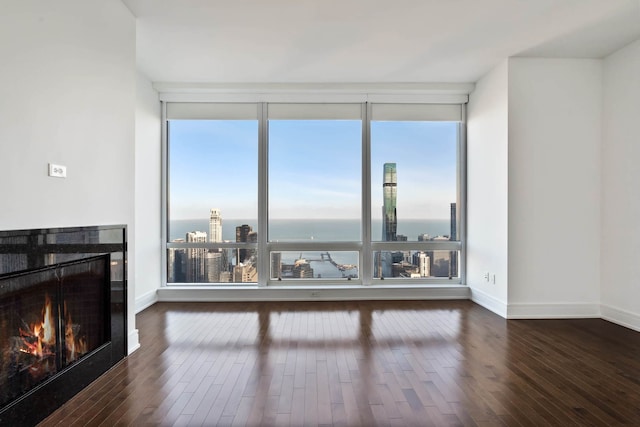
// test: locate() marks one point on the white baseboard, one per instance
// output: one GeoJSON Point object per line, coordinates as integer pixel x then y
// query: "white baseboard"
{"type": "Point", "coordinates": [489, 302]}
{"type": "Point", "coordinates": [146, 300]}
{"type": "Point", "coordinates": [621, 317]}
{"type": "Point", "coordinates": [229, 293]}
{"type": "Point", "coordinates": [133, 341]}
{"type": "Point", "coordinates": [553, 311]}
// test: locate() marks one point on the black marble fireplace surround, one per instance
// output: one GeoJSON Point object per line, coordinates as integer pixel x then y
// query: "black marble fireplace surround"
{"type": "Point", "coordinates": [39, 261]}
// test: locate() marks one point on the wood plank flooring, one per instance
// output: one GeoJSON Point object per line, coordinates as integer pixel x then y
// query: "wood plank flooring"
{"type": "Point", "coordinates": [403, 363]}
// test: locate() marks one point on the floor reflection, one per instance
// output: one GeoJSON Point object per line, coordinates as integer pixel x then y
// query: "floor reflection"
{"type": "Point", "coordinates": [364, 363]}
{"type": "Point", "coordinates": [338, 355]}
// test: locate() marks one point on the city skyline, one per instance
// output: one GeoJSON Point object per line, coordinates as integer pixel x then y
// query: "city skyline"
{"type": "Point", "coordinates": [213, 266]}
{"type": "Point", "coordinates": [200, 265]}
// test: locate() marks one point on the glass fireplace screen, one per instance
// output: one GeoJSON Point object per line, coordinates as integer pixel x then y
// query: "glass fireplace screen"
{"type": "Point", "coordinates": [50, 318]}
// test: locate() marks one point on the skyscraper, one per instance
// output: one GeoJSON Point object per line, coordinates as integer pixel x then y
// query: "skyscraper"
{"type": "Point", "coordinates": [276, 265]}
{"type": "Point", "coordinates": [389, 194]}
{"type": "Point", "coordinates": [245, 234]}
{"type": "Point", "coordinates": [245, 273]}
{"type": "Point", "coordinates": [453, 235]}
{"type": "Point", "coordinates": [242, 232]}
{"type": "Point", "coordinates": [176, 264]}
{"type": "Point", "coordinates": [422, 261]}
{"type": "Point", "coordinates": [196, 257]}
{"type": "Point", "coordinates": [440, 260]}
{"type": "Point", "coordinates": [383, 260]}
{"type": "Point", "coordinates": [213, 265]}
{"type": "Point", "coordinates": [215, 226]}
{"type": "Point", "coordinates": [215, 258]}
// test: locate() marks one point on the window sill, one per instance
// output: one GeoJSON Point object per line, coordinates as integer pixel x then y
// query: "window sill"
{"type": "Point", "coordinates": [312, 293]}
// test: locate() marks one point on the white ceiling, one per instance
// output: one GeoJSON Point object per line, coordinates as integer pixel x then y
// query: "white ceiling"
{"type": "Point", "coordinates": [381, 41]}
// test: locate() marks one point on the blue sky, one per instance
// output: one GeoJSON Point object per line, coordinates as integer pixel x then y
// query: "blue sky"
{"type": "Point", "coordinates": [314, 166]}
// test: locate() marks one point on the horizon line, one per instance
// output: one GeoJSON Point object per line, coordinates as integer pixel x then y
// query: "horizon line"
{"type": "Point", "coordinates": [300, 219]}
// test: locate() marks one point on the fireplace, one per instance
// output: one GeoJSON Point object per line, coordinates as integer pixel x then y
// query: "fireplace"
{"type": "Point", "coordinates": [62, 315]}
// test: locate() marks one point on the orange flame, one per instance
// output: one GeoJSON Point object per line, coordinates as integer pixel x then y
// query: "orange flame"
{"type": "Point", "coordinates": [39, 339]}
{"type": "Point", "coordinates": [76, 346]}
{"type": "Point", "coordinates": [42, 335]}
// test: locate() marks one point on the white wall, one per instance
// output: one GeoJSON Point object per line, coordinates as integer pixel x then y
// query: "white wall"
{"type": "Point", "coordinates": [147, 194]}
{"type": "Point", "coordinates": [555, 128]}
{"type": "Point", "coordinates": [620, 280]}
{"type": "Point", "coordinates": [67, 96]}
{"type": "Point", "coordinates": [487, 185]}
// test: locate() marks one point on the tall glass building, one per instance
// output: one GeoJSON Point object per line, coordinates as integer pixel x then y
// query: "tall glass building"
{"type": "Point", "coordinates": [453, 235]}
{"type": "Point", "coordinates": [390, 192]}
{"type": "Point", "coordinates": [384, 260]}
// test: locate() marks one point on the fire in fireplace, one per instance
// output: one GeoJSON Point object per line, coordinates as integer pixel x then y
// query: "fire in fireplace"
{"type": "Point", "coordinates": [49, 320]}
{"type": "Point", "coordinates": [33, 350]}
{"type": "Point", "coordinates": [63, 315]}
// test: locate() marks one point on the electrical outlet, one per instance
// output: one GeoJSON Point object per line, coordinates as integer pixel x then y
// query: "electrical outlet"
{"type": "Point", "coordinates": [486, 276]}
{"type": "Point", "coordinates": [315, 294]}
{"type": "Point", "coordinates": [57, 171]}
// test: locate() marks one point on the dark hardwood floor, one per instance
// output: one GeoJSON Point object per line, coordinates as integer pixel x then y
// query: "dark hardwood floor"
{"type": "Point", "coordinates": [400, 363]}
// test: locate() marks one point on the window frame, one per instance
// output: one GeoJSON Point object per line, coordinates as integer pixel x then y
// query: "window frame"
{"type": "Point", "coordinates": [366, 248]}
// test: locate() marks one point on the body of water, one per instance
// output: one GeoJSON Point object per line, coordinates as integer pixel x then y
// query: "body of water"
{"type": "Point", "coordinates": [306, 230]}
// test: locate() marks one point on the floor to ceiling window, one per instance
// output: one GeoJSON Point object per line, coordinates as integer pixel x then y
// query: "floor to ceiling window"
{"type": "Point", "coordinates": [212, 184]}
{"type": "Point", "coordinates": [415, 172]}
{"type": "Point", "coordinates": [323, 194]}
{"type": "Point", "coordinates": [315, 191]}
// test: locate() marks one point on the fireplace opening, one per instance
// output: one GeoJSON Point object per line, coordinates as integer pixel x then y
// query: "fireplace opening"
{"type": "Point", "coordinates": [50, 319]}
